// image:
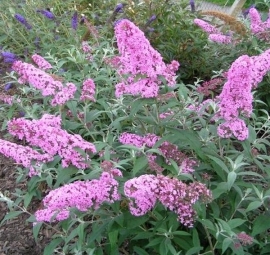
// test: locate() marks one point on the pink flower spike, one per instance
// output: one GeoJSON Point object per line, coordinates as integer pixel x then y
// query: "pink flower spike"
{"type": "Point", "coordinates": [41, 62]}
{"type": "Point", "coordinates": [208, 28]}
{"type": "Point", "coordinates": [88, 90]}
{"type": "Point", "coordinates": [81, 195]}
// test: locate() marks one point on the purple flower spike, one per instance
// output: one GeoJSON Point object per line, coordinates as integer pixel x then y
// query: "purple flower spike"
{"type": "Point", "coordinates": [47, 14]}
{"type": "Point", "coordinates": [23, 21]}
{"type": "Point", "coordinates": [74, 21]}
{"type": "Point", "coordinates": [152, 18]}
{"type": "Point", "coordinates": [118, 8]}
{"type": "Point", "coordinates": [8, 56]}
{"type": "Point", "coordinates": [8, 86]}
{"type": "Point", "coordinates": [192, 5]}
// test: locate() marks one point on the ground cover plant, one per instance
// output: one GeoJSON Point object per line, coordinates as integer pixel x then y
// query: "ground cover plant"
{"type": "Point", "coordinates": [127, 154]}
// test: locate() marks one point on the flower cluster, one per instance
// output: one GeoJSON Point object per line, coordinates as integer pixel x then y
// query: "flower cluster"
{"type": "Point", "coordinates": [41, 62]}
{"type": "Point", "coordinates": [208, 86]}
{"type": "Point", "coordinates": [88, 90]}
{"type": "Point", "coordinates": [9, 57]}
{"type": "Point", "coordinates": [138, 141]}
{"type": "Point", "coordinates": [214, 34]}
{"type": "Point", "coordinates": [146, 190]}
{"type": "Point", "coordinates": [43, 81]}
{"type": "Point", "coordinates": [23, 155]}
{"type": "Point", "coordinates": [81, 195]}
{"type": "Point", "coordinates": [23, 21]}
{"type": "Point", "coordinates": [74, 20]}
{"type": "Point", "coordinates": [6, 99]}
{"type": "Point", "coordinates": [139, 64]}
{"type": "Point", "coordinates": [236, 97]}
{"type": "Point", "coordinates": [257, 26]}
{"type": "Point", "coordinates": [168, 150]}
{"type": "Point", "coordinates": [47, 14]}
{"type": "Point", "coordinates": [47, 134]}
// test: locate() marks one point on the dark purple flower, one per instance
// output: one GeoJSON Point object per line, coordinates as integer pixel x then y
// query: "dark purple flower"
{"type": "Point", "coordinates": [21, 114]}
{"type": "Point", "coordinates": [47, 14]}
{"type": "Point", "coordinates": [8, 86]}
{"type": "Point", "coordinates": [117, 22]}
{"type": "Point", "coordinates": [22, 20]}
{"type": "Point", "coordinates": [118, 8]}
{"type": "Point", "coordinates": [192, 5]}
{"type": "Point", "coordinates": [9, 57]}
{"type": "Point", "coordinates": [152, 18]}
{"type": "Point", "coordinates": [74, 20]}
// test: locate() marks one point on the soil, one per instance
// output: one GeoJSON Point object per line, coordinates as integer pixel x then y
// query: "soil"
{"type": "Point", "coordinates": [16, 236]}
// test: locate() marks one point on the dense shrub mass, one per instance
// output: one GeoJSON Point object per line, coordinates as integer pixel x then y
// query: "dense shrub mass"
{"type": "Point", "coordinates": [147, 124]}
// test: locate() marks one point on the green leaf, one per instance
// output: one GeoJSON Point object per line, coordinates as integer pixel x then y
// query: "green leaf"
{"type": "Point", "coordinates": [140, 251]}
{"type": "Point", "coordinates": [163, 246]}
{"type": "Point", "coordinates": [231, 179]}
{"type": "Point", "coordinates": [260, 225]}
{"type": "Point", "coordinates": [195, 238]}
{"type": "Point", "coordinates": [155, 242]}
{"type": "Point", "coordinates": [113, 236]}
{"type": "Point", "coordinates": [36, 229]}
{"type": "Point", "coordinates": [253, 205]}
{"type": "Point", "coordinates": [181, 233]}
{"type": "Point", "coordinates": [234, 223]}
{"type": "Point", "coordinates": [226, 243]}
{"type": "Point", "coordinates": [11, 215]}
{"type": "Point", "coordinates": [49, 249]}
{"type": "Point", "coordinates": [143, 235]}
{"type": "Point", "coordinates": [97, 232]}
{"type": "Point", "coordinates": [139, 165]}
{"type": "Point", "coordinates": [219, 162]}
{"type": "Point", "coordinates": [194, 250]}
{"type": "Point", "coordinates": [133, 222]}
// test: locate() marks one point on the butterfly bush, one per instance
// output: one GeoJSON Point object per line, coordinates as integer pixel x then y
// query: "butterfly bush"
{"type": "Point", "coordinates": [146, 190]}
{"type": "Point", "coordinates": [24, 155]}
{"type": "Point", "coordinates": [168, 150]}
{"type": "Point", "coordinates": [41, 80]}
{"type": "Point", "coordinates": [214, 34]}
{"type": "Point", "coordinates": [41, 62]}
{"type": "Point", "coordinates": [82, 195]}
{"type": "Point", "coordinates": [47, 134]}
{"type": "Point", "coordinates": [139, 65]}
{"type": "Point", "coordinates": [88, 90]}
{"type": "Point", "coordinates": [236, 97]}
{"type": "Point", "coordinates": [257, 26]}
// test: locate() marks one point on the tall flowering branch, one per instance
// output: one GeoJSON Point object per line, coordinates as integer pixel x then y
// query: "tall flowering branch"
{"type": "Point", "coordinates": [139, 64]}
{"type": "Point", "coordinates": [259, 28]}
{"type": "Point", "coordinates": [47, 134]}
{"type": "Point", "coordinates": [41, 62]}
{"type": "Point", "coordinates": [214, 34]}
{"type": "Point", "coordinates": [24, 155]}
{"type": "Point", "coordinates": [168, 150]}
{"type": "Point", "coordinates": [23, 21]}
{"type": "Point", "coordinates": [236, 97]}
{"type": "Point", "coordinates": [88, 90]}
{"type": "Point", "coordinates": [47, 14]}
{"type": "Point", "coordinates": [9, 57]}
{"type": "Point", "coordinates": [146, 190]}
{"type": "Point", "coordinates": [43, 81]}
{"type": "Point", "coordinates": [81, 195]}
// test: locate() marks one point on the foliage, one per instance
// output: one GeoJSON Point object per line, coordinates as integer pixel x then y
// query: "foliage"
{"type": "Point", "coordinates": [159, 157]}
